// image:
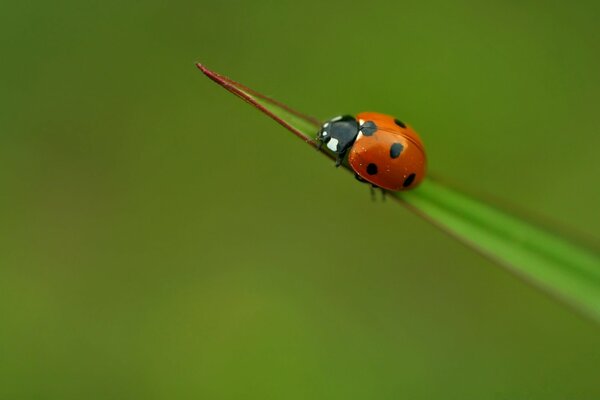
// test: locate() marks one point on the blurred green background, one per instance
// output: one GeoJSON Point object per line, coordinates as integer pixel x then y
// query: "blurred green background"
{"type": "Point", "coordinates": [160, 239]}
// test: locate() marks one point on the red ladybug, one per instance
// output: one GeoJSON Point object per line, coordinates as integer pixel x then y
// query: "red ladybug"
{"type": "Point", "coordinates": [381, 149]}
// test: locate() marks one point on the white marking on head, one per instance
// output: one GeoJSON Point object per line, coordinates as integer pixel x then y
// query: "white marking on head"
{"type": "Point", "coordinates": [324, 133]}
{"type": "Point", "coordinates": [339, 117]}
{"type": "Point", "coordinates": [326, 124]}
{"type": "Point", "coordinates": [332, 144]}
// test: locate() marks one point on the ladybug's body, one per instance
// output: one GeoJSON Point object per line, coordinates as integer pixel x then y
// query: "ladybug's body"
{"type": "Point", "coordinates": [381, 149]}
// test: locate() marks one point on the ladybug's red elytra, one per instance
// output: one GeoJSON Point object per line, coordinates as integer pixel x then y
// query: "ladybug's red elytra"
{"type": "Point", "coordinates": [381, 149]}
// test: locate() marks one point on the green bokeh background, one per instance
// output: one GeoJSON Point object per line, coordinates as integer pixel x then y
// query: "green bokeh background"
{"type": "Point", "coordinates": [162, 240]}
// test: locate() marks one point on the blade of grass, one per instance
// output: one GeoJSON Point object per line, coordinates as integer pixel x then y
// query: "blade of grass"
{"type": "Point", "coordinates": [564, 269]}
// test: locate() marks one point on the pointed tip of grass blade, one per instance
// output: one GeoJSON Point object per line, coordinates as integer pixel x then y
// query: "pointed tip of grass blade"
{"type": "Point", "coordinates": [203, 69]}
{"type": "Point", "coordinates": [221, 80]}
{"type": "Point", "coordinates": [214, 76]}
{"type": "Point", "coordinates": [267, 105]}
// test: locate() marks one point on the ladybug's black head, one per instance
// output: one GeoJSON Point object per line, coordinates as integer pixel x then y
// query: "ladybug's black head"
{"type": "Point", "coordinates": [339, 133]}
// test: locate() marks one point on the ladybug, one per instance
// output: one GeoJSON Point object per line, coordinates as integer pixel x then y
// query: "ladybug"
{"type": "Point", "coordinates": [381, 149]}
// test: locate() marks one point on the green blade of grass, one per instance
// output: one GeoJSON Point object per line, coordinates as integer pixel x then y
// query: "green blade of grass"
{"type": "Point", "coordinates": [564, 269]}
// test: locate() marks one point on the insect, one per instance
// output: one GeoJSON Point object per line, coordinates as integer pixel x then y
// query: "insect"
{"type": "Point", "coordinates": [381, 149]}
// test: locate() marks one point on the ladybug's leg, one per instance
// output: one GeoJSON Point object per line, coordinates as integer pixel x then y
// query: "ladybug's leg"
{"type": "Point", "coordinates": [320, 141]}
{"type": "Point", "coordinates": [372, 187]}
{"type": "Point", "coordinates": [339, 159]}
{"type": "Point", "coordinates": [383, 192]}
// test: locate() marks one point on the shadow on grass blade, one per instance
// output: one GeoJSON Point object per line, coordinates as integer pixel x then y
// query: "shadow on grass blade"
{"type": "Point", "coordinates": [564, 269]}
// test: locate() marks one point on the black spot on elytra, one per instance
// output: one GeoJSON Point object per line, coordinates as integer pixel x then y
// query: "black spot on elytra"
{"type": "Point", "coordinates": [368, 128]}
{"type": "Point", "coordinates": [399, 123]}
{"type": "Point", "coordinates": [409, 180]}
{"type": "Point", "coordinates": [396, 149]}
{"type": "Point", "coordinates": [371, 169]}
